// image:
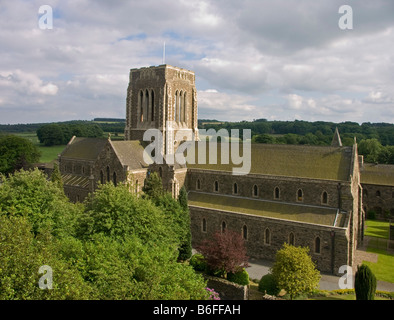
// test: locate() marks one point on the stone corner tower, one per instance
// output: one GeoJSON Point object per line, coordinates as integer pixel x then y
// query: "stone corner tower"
{"type": "Point", "coordinates": [165, 98]}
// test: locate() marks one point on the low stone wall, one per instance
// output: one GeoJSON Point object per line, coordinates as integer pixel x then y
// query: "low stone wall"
{"type": "Point", "coordinates": [227, 290]}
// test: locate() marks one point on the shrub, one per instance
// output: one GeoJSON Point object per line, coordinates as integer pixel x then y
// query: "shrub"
{"type": "Point", "coordinates": [269, 285]}
{"type": "Point", "coordinates": [241, 277]}
{"type": "Point", "coordinates": [364, 283]}
{"type": "Point", "coordinates": [197, 261]}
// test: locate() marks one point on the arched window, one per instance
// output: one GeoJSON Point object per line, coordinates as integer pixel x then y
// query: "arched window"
{"type": "Point", "coordinates": [141, 105]}
{"type": "Point", "coordinates": [235, 188]}
{"type": "Point", "coordinates": [255, 191]}
{"type": "Point", "coordinates": [180, 107]}
{"type": "Point", "coordinates": [300, 195]}
{"type": "Point", "coordinates": [184, 112]}
{"type": "Point", "coordinates": [204, 225]}
{"type": "Point", "coordinates": [224, 225]}
{"type": "Point", "coordinates": [101, 177]}
{"type": "Point", "coordinates": [160, 172]}
{"type": "Point", "coordinates": [291, 238]}
{"type": "Point", "coordinates": [198, 186]}
{"type": "Point", "coordinates": [146, 105]}
{"type": "Point", "coordinates": [317, 245]}
{"type": "Point", "coordinates": [267, 236]}
{"type": "Point", "coordinates": [245, 232]}
{"type": "Point", "coordinates": [277, 193]}
{"type": "Point", "coordinates": [108, 175]}
{"type": "Point", "coordinates": [152, 106]}
{"type": "Point", "coordinates": [136, 186]}
{"type": "Point", "coordinates": [216, 186]}
{"type": "Point", "coordinates": [114, 179]}
{"type": "Point", "coordinates": [378, 193]}
{"type": "Point", "coordinates": [176, 107]}
{"type": "Point", "coordinates": [324, 198]}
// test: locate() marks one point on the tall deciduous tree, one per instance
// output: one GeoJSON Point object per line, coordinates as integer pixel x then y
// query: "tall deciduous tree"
{"type": "Point", "coordinates": [17, 153]}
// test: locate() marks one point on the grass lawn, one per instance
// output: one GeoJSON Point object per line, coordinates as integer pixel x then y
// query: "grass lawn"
{"type": "Point", "coordinates": [379, 233]}
{"type": "Point", "coordinates": [49, 154]}
{"type": "Point", "coordinates": [375, 228]}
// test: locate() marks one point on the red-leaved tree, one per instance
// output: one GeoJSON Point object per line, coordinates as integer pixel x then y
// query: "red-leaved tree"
{"type": "Point", "coordinates": [225, 252]}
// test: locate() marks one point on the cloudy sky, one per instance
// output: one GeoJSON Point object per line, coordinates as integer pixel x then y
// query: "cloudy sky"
{"type": "Point", "coordinates": [273, 59]}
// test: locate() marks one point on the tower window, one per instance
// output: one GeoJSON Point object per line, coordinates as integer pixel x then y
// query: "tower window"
{"type": "Point", "coordinates": [291, 238]}
{"type": "Point", "coordinates": [224, 226]}
{"type": "Point", "coordinates": [152, 107]}
{"type": "Point", "coordinates": [198, 187]}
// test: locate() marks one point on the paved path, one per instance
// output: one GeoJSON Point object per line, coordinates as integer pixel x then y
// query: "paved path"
{"type": "Point", "coordinates": [258, 268]}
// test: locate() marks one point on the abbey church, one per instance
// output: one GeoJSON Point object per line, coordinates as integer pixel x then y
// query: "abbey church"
{"type": "Point", "coordinates": [303, 195]}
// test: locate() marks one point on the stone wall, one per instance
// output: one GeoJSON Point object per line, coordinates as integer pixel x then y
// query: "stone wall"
{"type": "Point", "coordinates": [227, 290]}
{"type": "Point", "coordinates": [312, 190]}
{"type": "Point", "coordinates": [333, 250]}
{"type": "Point", "coordinates": [378, 198]}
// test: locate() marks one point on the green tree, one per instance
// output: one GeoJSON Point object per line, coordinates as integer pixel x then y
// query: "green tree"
{"type": "Point", "coordinates": [370, 149]}
{"type": "Point", "coordinates": [50, 134]}
{"type": "Point", "coordinates": [30, 194]}
{"type": "Point", "coordinates": [153, 186]}
{"type": "Point", "coordinates": [364, 283]}
{"type": "Point", "coordinates": [17, 153]}
{"type": "Point", "coordinates": [185, 250]}
{"type": "Point", "coordinates": [295, 271]}
{"type": "Point", "coordinates": [56, 176]}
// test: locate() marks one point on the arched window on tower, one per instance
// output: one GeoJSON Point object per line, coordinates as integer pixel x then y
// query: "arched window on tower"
{"type": "Point", "coordinates": [204, 225]}
{"type": "Point", "coordinates": [152, 107]}
{"type": "Point", "coordinates": [184, 112]}
{"type": "Point", "coordinates": [176, 116]}
{"type": "Point", "coordinates": [198, 186]}
{"type": "Point", "coordinates": [146, 106]}
{"type": "Point", "coordinates": [180, 106]}
{"type": "Point", "coordinates": [141, 105]}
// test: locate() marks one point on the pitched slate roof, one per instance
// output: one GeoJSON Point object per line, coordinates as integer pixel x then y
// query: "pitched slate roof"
{"type": "Point", "coordinates": [84, 148]}
{"type": "Point", "coordinates": [130, 153]}
{"type": "Point", "coordinates": [378, 174]}
{"type": "Point", "coordinates": [316, 162]}
{"type": "Point", "coordinates": [270, 209]}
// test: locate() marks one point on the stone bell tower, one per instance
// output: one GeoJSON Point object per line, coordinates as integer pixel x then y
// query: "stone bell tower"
{"type": "Point", "coordinates": [164, 98]}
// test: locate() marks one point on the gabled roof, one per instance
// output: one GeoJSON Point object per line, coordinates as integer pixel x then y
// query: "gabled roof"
{"type": "Point", "coordinates": [315, 162]}
{"type": "Point", "coordinates": [269, 209]}
{"type": "Point", "coordinates": [130, 153]}
{"type": "Point", "coordinates": [83, 148]}
{"type": "Point", "coordinates": [378, 174]}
